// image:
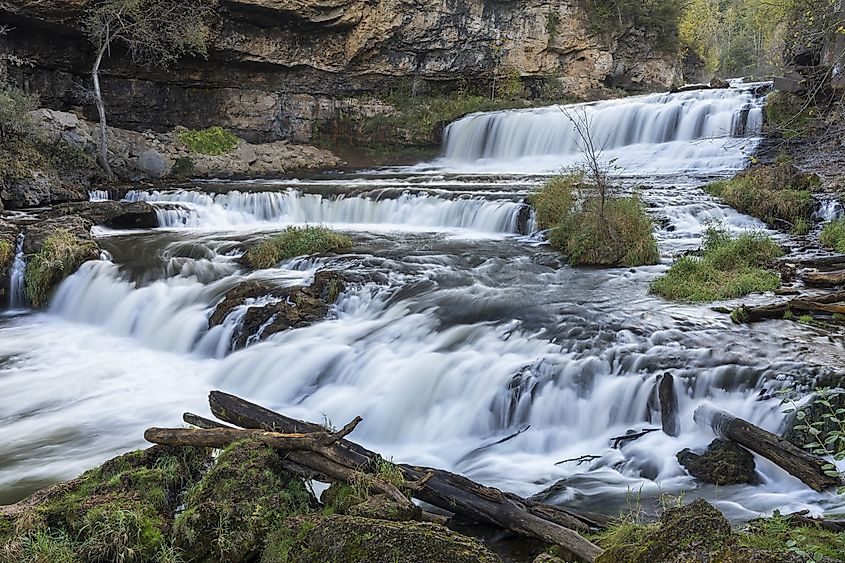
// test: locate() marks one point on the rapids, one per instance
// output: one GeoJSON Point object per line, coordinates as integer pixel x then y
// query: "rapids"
{"type": "Point", "coordinates": [460, 332]}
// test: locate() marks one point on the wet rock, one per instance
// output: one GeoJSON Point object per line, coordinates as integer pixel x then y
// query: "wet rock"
{"type": "Point", "coordinates": [55, 248]}
{"type": "Point", "coordinates": [547, 558]}
{"type": "Point", "coordinates": [113, 214]}
{"type": "Point", "coordinates": [271, 309]}
{"type": "Point", "coordinates": [717, 82]}
{"type": "Point", "coordinates": [723, 463]}
{"type": "Point", "coordinates": [245, 495]}
{"type": "Point", "coordinates": [353, 539]}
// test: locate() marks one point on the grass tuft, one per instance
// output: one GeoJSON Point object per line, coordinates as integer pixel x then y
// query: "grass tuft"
{"type": "Point", "coordinates": [60, 255]}
{"type": "Point", "coordinates": [833, 235]}
{"type": "Point", "coordinates": [726, 268]}
{"type": "Point", "coordinates": [295, 241]}
{"type": "Point", "coordinates": [213, 141]}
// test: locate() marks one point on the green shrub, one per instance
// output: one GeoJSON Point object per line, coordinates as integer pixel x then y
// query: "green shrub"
{"type": "Point", "coordinates": [777, 194]}
{"type": "Point", "coordinates": [553, 202]}
{"type": "Point", "coordinates": [621, 235]}
{"type": "Point", "coordinates": [15, 105]}
{"type": "Point", "coordinates": [726, 268]}
{"type": "Point", "coordinates": [213, 141]}
{"type": "Point", "coordinates": [833, 235]}
{"type": "Point", "coordinates": [60, 255]}
{"type": "Point", "coordinates": [183, 167]}
{"type": "Point", "coordinates": [295, 241]}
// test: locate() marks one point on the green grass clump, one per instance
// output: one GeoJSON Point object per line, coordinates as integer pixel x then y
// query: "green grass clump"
{"type": "Point", "coordinates": [833, 235]}
{"type": "Point", "coordinates": [619, 234]}
{"type": "Point", "coordinates": [295, 241]}
{"type": "Point", "coordinates": [778, 535]}
{"type": "Point", "coordinates": [778, 195]}
{"type": "Point", "coordinates": [726, 268]}
{"type": "Point", "coordinates": [213, 141]}
{"type": "Point", "coordinates": [60, 255]}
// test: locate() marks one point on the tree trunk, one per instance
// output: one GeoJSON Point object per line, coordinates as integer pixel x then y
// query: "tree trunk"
{"type": "Point", "coordinates": [443, 489]}
{"type": "Point", "coordinates": [103, 153]}
{"type": "Point", "coordinates": [797, 462]}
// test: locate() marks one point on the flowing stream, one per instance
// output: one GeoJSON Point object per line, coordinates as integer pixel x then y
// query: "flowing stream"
{"type": "Point", "coordinates": [459, 329]}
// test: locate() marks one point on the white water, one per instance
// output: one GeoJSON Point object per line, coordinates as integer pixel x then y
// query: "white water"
{"type": "Point", "coordinates": [702, 130]}
{"type": "Point", "coordinates": [238, 209]}
{"type": "Point", "coordinates": [830, 210]}
{"type": "Point", "coordinates": [448, 342]}
{"type": "Point", "coordinates": [17, 290]}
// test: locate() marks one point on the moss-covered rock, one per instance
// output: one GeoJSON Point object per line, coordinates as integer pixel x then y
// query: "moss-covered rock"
{"type": "Point", "coordinates": [243, 497]}
{"type": "Point", "coordinates": [291, 307]}
{"type": "Point", "coordinates": [121, 511]}
{"type": "Point", "coordinates": [723, 463]}
{"type": "Point", "coordinates": [382, 508]}
{"type": "Point", "coordinates": [55, 249]}
{"type": "Point", "coordinates": [352, 539]}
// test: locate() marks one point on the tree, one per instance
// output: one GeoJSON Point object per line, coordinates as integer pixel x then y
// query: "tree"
{"type": "Point", "coordinates": [153, 32]}
{"type": "Point", "coordinates": [591, 151]}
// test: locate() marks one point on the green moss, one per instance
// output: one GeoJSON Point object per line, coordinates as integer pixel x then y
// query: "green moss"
{"type": "Point", "coordinates": [295, 241]}
{"type": "Point", "coordinates": [119, 511]}
{"type": "Point", "coordinates": [213, 141]}
{"type": "Point", "coordinates": [778, 194]}
{"type": "Point", "coordinates": [833, 235]}
{"type": "Point", "coordinates": [726, 268]}
{"type": "Point", "coordinates": [243, 497]}
{"type": "Point", "coordinates": [60, 255]}
{"type": "Point", "coordinates": [7, 254]}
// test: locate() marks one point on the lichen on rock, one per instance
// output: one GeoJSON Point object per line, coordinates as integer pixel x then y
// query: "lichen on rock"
{"type": "Point", "coordinates": [722, 463]}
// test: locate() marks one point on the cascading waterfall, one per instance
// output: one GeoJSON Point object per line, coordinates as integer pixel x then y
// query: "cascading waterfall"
{"type": "Point", "coordinates": [697, 130]}
{"type": "Point", "coordinates": [98, 195]}
{"type": "Point", "coordinates": [17, 290]}
{"type": "Point", "coordinates": [235, 208]}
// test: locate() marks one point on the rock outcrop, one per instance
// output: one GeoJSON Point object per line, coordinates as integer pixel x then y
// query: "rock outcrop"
{"type": "Point", "coordinates": [276, 67]}
{"type": "Point", "coordinates": [723, 463]}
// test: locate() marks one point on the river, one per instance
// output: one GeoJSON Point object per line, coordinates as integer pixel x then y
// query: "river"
{"type": "Point", "coordinates": [462, 327]}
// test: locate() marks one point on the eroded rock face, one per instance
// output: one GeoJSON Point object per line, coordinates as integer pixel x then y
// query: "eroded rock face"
{"type": "Point", "coordinates": [113, 214]}
{"type": "Point", "coordinates": [271, 309]}
{"type": "Point", "coordinates": [723, 463]}
{"type": "Point", "coordinates": [276, 67]}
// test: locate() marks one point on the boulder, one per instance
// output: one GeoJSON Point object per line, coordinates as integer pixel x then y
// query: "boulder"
{"type": "Point", "coordinates": [382, 508]}
{"type": "Point", "coordinates": [717, 82]}
{"type": "Point", "coordinates": [353, 539]}
{"type": "Point", "coordinates": [55, 248]}
{"type": "Point", "coordinates": [30, 191]}
{"type": "Point", "coordinates": [153, 164]}
{"type": "Point", "coordinates": [271, 309]}
{"type": "Point", "coordinates": [113, 214]}
{"type": "Point", "coordinates": [723, 463]}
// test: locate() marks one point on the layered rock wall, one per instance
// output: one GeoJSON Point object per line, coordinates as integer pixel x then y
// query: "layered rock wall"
{"type": "Point", "coordinates": [276, 66]}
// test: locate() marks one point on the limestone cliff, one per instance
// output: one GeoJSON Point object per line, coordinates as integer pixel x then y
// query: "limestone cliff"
{"type": "Point", "coordinates": [276, 66]}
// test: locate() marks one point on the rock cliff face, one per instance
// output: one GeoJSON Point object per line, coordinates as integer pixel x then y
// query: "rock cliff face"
{"type": "Point", "coordinates": [277, 66]}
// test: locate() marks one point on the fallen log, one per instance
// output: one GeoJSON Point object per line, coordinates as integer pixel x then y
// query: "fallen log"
{"type": "Point", "coordinates": [825, 303]}
{"type": "Point", "coordinates": [799, 463]}
{"type": "Point", "coordinates": [816, 261]}
{"type": "Point", "coordinates": [315, 442]}
{"type": "Point", "coordinates": [668, 404]}
{"type": "Point", "coordinates": [824, 279]}
{"type": "Point", "coordinates": [442, 489]}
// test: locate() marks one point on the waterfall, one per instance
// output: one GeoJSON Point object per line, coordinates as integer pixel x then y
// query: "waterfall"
{"type": "Point", "coordinates": [182, 208]}
{"type": "Point", "coordinates": [17, 293]}
{"type": "Point", "coordinates": [98, 195]}
{"type": "Point", "coordinates": [829, 210]}
{"type": "Point", "coordinates": [695, 130]}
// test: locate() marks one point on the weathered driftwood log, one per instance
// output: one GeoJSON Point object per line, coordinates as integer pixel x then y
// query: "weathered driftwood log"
{"type": "Point", "coordinates": [824, 279]}
{"type": "Point", "coordinates": [668, 404]}
{"type": "Point", "coordinates": [817, 261]}
{"type": "Point", "coordinates": [318, 443]}
{"type": "Point", "coordinates": [825, 303]}
{"type": "Point", "coordinates": [797, 462]}
{"type": "Point", "coordinates": [439, 488]}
